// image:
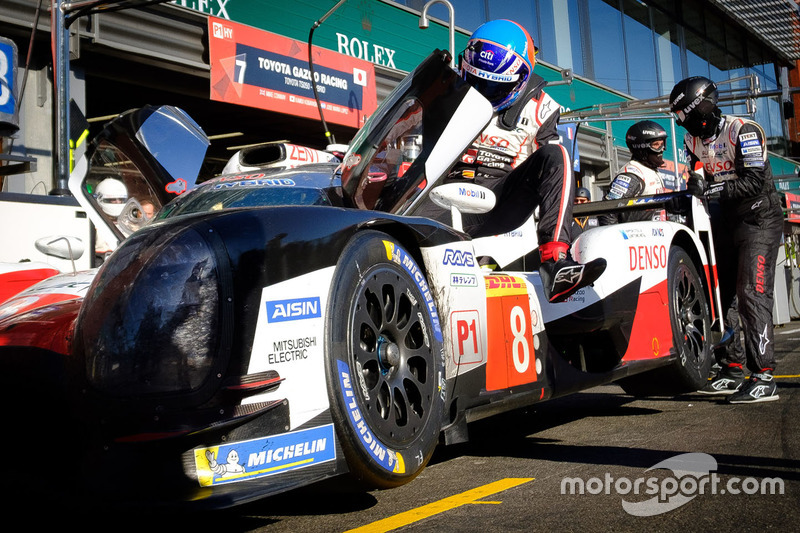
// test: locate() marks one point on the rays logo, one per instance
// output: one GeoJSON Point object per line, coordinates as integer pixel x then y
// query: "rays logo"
{"type": "Point", "coordinates": [458, 258]}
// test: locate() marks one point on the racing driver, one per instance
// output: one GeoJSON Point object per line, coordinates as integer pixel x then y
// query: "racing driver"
{"type": "Point", "coordinates": [747, 222]}
{"type": "Point", "coordinates": [519, 156]}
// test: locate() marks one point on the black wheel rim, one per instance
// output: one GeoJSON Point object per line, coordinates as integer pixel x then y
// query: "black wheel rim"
{"type": "Point", "coordinates": [391, 355]}
{"type": "Point", "coordinates": [690, 311]}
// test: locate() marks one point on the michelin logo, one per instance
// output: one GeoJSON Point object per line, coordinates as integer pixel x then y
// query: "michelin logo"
{"type": "Point", "coordinates": [294, 309]}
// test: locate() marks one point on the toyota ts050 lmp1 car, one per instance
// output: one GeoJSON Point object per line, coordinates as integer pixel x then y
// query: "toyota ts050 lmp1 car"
{"type": "Point", "coordinates": [278, 327]}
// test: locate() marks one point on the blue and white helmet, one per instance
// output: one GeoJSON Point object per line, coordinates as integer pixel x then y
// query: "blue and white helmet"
{"type": "Point", "coordinates": [498, 61]}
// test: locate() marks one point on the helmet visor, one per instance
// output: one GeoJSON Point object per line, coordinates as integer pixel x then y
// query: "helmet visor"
{"type": "Point", "coordinates": [494, 91]}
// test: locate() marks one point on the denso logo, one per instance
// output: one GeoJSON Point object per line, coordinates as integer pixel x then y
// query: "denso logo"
{"type": "Point", "coordinates": [458, 258]}
{"type": "Point", "coordinates": [718, 166]}
{"type": "Point", "coordinates": [493, 140]}
{"type": "Point", "coordinates": [294, 309]}
{"type": "Point", "coordinates": [648, 257]}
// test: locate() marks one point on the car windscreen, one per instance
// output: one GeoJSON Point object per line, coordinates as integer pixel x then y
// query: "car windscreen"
{"type": "Point", "coordinates": [261, 192]}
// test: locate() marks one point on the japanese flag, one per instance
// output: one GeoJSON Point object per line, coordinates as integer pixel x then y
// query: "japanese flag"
{"type": "Point", "coordinates": [360, 77]}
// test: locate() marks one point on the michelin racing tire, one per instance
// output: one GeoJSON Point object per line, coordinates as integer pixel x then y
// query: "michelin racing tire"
{"type": "Point", "coordinates": [384, 362]}
{"type": "Point", "coordinates": [691, 333]}
{"type": "Point", "coordinates": [691, 323]}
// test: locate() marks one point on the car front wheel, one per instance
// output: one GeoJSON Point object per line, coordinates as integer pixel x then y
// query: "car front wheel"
{"type": "Point", "coordinates": [385, 364]}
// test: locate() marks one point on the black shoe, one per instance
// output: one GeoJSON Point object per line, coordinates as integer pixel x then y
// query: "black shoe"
{"type": "Point", "coordinates": [760, 387]}
{"type": "Point", "coordinates": [563, 277]}
{"type": "Point", "coordinates": [727, 381]}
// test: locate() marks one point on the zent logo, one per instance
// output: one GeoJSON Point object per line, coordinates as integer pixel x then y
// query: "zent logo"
{"type": "Point", "coordinates": [294, 309]}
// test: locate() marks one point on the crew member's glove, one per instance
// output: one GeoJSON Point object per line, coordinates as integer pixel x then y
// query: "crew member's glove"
{"type": "Point", "coordinates": [699, 187]}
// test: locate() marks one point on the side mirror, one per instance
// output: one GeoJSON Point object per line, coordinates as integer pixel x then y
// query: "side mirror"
{"type": "Point", "coordinates": [62, 247]}
{"type": "Point", "coordinates": [463, 198]}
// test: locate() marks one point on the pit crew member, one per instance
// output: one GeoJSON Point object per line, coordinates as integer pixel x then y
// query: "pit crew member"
{"type": "Point", "coordinates": [747, 223]}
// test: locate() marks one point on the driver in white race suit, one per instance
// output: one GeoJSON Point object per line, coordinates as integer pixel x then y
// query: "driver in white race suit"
{"type": "Point", "coordinates": [519, 156]}
{"type": "Point", "coordinates": [647, 141]}
{"type": "Point", "coordinates": [747, 223]}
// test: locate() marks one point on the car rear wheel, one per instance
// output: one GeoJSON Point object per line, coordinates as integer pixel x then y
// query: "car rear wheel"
{"type": "Point", "coordinates": [691, 328]}
{"type": "Point", "coordinates": [385, 364]}
{"type": "Point", "coordinates": [691, 323]}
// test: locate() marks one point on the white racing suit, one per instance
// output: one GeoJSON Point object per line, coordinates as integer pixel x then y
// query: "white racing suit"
{"type": "Point", "coordinates": [747, 222]}
{"type": "Point", "coordinates": [518, 157]}
{"type": "Point", "coordinates": [634, 179]}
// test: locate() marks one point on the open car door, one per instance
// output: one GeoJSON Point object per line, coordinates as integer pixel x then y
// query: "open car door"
{"type": "Point", "coordinates": [414, 138]}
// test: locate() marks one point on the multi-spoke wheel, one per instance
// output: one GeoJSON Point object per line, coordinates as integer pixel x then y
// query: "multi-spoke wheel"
{"type": "Point", "coordinates": [691, 325]}
{"type": "Point", "coordinates": [385, 363]}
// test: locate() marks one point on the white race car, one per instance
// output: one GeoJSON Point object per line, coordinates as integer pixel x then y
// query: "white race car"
{"type": "Point", "coordinates": [277, 327]}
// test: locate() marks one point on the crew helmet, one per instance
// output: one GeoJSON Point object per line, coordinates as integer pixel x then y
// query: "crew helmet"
{"type": "Point", "coordinates": [498, 61]}
{"type": "Point", "coordinates": [694, 102]}
{"type": "Point", "coordinates": [111, 194]}
{"type": "Point", "coordinates": [583, 192]}
{"type": "Point", "coordinates": [647, 141]}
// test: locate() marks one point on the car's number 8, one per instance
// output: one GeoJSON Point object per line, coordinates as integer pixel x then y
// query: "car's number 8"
{"type": "Point", "coordinates": [519, 346]}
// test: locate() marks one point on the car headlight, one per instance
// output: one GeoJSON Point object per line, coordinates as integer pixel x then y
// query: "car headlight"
{"type": "Point", "coordinates": [150, 323]}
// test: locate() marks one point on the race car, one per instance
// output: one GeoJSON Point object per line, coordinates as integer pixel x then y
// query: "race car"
{"type": "Point", "coordinates": [275, 328]}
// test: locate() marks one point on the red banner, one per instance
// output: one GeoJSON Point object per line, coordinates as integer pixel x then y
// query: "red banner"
{"type": "Point", "coordinates": [793, 206]}
{"type": "Point", "coordinates": [261, 69]}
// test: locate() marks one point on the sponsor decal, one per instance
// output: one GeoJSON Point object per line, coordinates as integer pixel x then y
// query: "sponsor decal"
{"type": "Point", "coordinates": [471, 193]}
{"type": "Point", "coordinates": [399, 256]}
{"type": "Point", "coordinates": [647, 257]}
{"type": "Point", "coordinates": [623, 179]}
{"type": "Point", "coordinates": [458, 258]}
{"type": "Point", "coordinates": [763, 340]}
{"type": "Point", "coordinates": [463, 280]}
{"type": "Point", "coordinates": [503, 285]}
{"type": "Point", "coordinates": [760, 271]}
{"type": "Point", "coordinates": [266, 456]}
{"type": "Point", "coordinates": [493, 140]}
{"type": "Point", "coordinates": [293, 309]}
{"type": "Point", "coordinates": [284, 351]}
{"type": "Point", "coordinates": [632, 234]}
{"type": "Point", "coordinates": [751, 164]}
{"type": "Point", "coordinates": [753, 150]}
{"type": "Point", "coordinates": [714, 167]}
{"type": "Point", "coordinates": [748, 136]}
{"type": "Point", "coordinates": [390, 460]}
{"type": "Point", "coordinates": [465, 329]}
{"type": "Point", "coordinates": [255, 183]}
{"type": "Point", "coordinates": [750, 143]}
{"type": "Point", "coordinates": [657, 232]}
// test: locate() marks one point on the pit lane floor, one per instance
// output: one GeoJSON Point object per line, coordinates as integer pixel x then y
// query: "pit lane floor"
{"type": "Point", "coordinates": [522, 471]}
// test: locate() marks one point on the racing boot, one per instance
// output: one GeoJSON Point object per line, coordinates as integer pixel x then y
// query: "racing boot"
{"type": "Point", "coordinates": [728, 380]}
{"type": "Point", "coordinates": [561, 275]}
{"type": "Point", "coordinates": [760, 387]}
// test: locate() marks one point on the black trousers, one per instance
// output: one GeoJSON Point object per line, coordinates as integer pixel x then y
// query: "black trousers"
{"type": "Point", "coordinates": [746, 244]}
